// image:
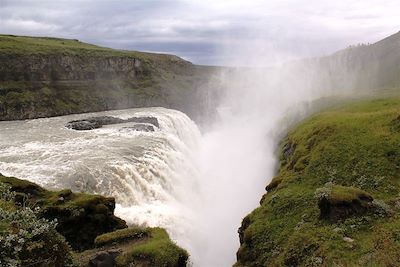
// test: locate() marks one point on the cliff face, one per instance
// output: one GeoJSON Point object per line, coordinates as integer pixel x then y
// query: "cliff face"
{"type": "Point", "coordinates": [67, 67]}
{"type": "Point", "coordinates": [42, 77]}
{"type": "Point", "coordinates": [334, 201]}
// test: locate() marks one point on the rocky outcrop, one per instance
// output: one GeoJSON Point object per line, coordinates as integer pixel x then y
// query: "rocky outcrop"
{"type": "Point", "coordinates": [86, 221]}
{"type": "Point", "coordinates": [80, 217]}
{"type": "Point", "coordinates": [339, 202]}
{"type": "Point", "coordinates": [134, 246]}
{"type": "Point", "coordinates": [145, 124]}
{"type": "Point", "coordinates": [82, 125]}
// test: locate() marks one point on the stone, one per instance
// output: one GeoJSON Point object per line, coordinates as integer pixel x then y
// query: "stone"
{"type": "Point", "coordinates": [146, 124]}
{"type": "Point", "coordinates": [104, 258]}
{"type": "Point", "coordinates": [342, 202]}
{"type": "Point", "coordinates": [149, 120]}
{"type": "Point", "coordinates": [348, 239]}
{"type": "Point", "coordinates": [105, 120]}
{"type": "Point", "coordinates": [141, 127]}
{"type": "Point", "coordinates": [82, 125]}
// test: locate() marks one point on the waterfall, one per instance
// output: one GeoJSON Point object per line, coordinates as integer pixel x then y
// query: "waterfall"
{"type": "Point", "coordinates": [149, 173]}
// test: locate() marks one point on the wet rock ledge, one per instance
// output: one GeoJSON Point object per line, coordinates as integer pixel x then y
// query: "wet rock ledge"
{"type": "Point", "coordinates": [145, 124]}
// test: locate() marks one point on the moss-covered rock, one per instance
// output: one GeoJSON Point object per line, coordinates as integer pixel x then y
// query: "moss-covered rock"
{"type": "Point", "coordinates": [118, 236]}
{"type": "Point", "coordinates": [88, 224]}
{"type": "Point", "coordinates": [81, 217]}
{"type": "Point", "coordinates": [337, 202]}
{"type": "Point", "coordinates": [158, 250]}
{"type": "Point", "coordinates": [134, 246]}
{"type": "Point", "coordinates": [335, 199]}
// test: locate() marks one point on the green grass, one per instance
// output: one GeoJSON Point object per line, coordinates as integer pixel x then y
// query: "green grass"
{"type": "Point", "coordinates": [38, 196]}
{"type": "Point", "coordinates": [122, 235]}
{"type": "Point", "coordinates": [20, 45]}
{"type": "Point", "coordinates": [347, 194]}
{"type": "Point", "coordinates": [356, 149]}
{"type": "Point", "coordinates": [159, 250]}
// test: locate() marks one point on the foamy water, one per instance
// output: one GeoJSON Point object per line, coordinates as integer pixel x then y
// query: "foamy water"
{"type": "Point", "coordinates": [148, 173]}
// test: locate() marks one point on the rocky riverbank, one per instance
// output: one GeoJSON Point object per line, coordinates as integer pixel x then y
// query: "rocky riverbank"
{"type": "Point", "coordinates": [46, 228]}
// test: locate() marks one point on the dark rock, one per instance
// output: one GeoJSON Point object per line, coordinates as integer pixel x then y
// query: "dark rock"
{"type": "Point", "coordinates": [104, 258]}
{"type": "Point", "coordinates": [274, 183]}
{"type": "Point", "coordinates": [142, 127]}
{"type": "Point", "coordinates": [98, 122]}
{"type": "Point", "coordinates": [288, 150]}
{"type": "Point", "coordinates": [105, 120]}
{"type": "Point", "coordinates": [82, 222]}
{"type": "Point", "coordinates": [80, 217]}
{"type": "Point", "coordinates": [344, 202]}
{"type": "Point", "coordinates": [245, 224]}
{"type": "Point", "coordinates": [82, 125]}
{"type": "Point", "coordinates": [149, 120]}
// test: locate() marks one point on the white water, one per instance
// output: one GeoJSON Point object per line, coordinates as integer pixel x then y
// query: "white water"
{"type": "Point", "coordinates": [147, 172]}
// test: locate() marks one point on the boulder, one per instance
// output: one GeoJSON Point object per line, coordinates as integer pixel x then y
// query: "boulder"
{"type": "Point", "coordinates": [82, 125]}
{"type": "Point", "coordinates": [106, 120]}
{"type": "Point", "coordinates": [98, 122]}
{"type": "Point", "coordinates": [104, 258]}
{"type": "Point", "coordinates": [141, 127]}
{"type": "Point", "coordinates": [340, 202]}
{"type": "Point", "coordinates": [148, 119]}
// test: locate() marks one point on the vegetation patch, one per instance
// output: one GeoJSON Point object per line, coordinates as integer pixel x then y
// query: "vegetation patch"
{"type": "Point", "coordinates": [26, 239]}
{"type": "Point", "coordinates": [127, 234]}
{"type": "Point", "coordinates": [159, 250]}
{"type": "Point", "coordinates": [38, 226]}
{"type": "Point", "coordinates": [335, 199]}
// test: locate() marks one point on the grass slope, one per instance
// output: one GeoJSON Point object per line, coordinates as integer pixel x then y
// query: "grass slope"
{"type": "Point", "coordinates": [28, 45]}
{"type": "Point", "coordinates": [343, 157]}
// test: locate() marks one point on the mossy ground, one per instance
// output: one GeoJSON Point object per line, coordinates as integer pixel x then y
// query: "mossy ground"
{"type": "Point", "coordinates": [159, 250]}
{"type": "Point", "coordinates": [356, 149]}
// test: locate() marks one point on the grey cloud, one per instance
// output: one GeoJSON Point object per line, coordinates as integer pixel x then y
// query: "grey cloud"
{"type": "Point", "coordinates": [200, 29]}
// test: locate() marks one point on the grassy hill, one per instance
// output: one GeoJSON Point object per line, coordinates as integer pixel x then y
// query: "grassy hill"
{"type": "Point", "coordinates": [364, 67]}
{"type": "Point", "coordinates": [335, 200]}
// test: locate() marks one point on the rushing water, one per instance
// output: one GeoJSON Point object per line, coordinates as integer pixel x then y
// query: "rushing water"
{"type": "Point", "coordinates": [147, 172]}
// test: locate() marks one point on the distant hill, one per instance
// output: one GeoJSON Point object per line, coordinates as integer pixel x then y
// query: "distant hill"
{"type": "Point", "coordinates": [364, 67]}
{"type": "Point", "coordinates": [42, 76]}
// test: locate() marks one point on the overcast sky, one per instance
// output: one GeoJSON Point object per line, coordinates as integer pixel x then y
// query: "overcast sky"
{"type": "Point", "coordinates": [207, 31]}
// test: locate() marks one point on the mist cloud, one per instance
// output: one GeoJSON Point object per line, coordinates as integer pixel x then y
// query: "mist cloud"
{"type": "Point", "coordinates": [199, 30]}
